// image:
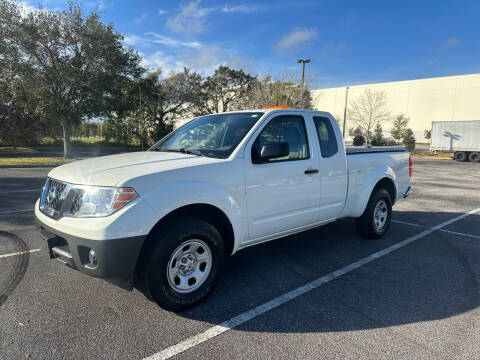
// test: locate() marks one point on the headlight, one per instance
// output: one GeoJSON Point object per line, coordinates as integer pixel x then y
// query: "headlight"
{"type": "Point", "coordinates": [96, 201]}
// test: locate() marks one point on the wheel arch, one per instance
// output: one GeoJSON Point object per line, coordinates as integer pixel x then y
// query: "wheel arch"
{"type": "Point", "coordinates": [382, 176]}
{"type": "Point", "coordinates": [207, 212]}
{"type": "Point", "coordinates": [387, 184]}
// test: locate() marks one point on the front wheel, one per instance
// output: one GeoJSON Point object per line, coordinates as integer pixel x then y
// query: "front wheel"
{"type": "Point", "coordinates": [185, 263]}
{"type": "Point", "coordinates": [376, 218]}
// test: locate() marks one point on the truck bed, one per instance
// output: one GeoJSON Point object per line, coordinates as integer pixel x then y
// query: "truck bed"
{"type": "Point", "coordinates": [364, 165]}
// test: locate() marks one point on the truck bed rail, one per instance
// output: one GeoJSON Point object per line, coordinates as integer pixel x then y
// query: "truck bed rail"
{"type": "Point", "coordinates": [379, 149]}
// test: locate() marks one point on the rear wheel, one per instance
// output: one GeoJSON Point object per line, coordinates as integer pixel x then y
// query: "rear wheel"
{"type": "Point", "coordinates": [460, 156]}
{"type": "Point", "coordinates": [474, 157]}
{"type": "Point", "coordinates": [184, 264]}
{"type": "Point", "coordinates": [376, 218]}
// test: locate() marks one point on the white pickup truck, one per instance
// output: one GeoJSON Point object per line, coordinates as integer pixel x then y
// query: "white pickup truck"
{"type": "Point", "coordinates": [168, 218]}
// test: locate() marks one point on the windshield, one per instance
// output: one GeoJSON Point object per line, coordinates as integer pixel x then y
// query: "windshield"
{"type": "Point", "coordinates": [212, 135]}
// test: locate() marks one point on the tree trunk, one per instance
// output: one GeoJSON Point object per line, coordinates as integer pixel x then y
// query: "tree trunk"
{"type": "Point", "coordinates": [67, 141]}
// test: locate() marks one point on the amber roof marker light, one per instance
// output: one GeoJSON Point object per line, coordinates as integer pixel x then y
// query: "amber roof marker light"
{"type": "Point", "coordinates": [276, 107]}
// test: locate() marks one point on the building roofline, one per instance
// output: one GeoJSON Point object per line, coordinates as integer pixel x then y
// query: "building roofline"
{"type": "Point", "coordinates": [399, 81]}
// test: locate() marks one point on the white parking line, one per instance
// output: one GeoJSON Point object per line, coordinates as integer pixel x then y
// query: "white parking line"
{"type": "Point", "coordinates": [19, 253]}
{"type": "Point", "coordinates": [274, 303]}
{"type": "Point", "coordinates": [444, 230]}
{"type": "Point", "coordinates": [409, 223]}
{"type": "Point", "coordinates": [459, 233]}
{"type": "Point", "coordinates": [15, 211]}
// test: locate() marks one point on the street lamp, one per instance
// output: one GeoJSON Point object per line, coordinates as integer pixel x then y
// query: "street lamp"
{"type": "Point", "coordinates": [303, 62]}
{"type": "Point", "coordinates": [345, 111]}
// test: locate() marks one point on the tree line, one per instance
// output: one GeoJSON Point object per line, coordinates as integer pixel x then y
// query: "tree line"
{"type": "Point", "coordinates": [63, 68]}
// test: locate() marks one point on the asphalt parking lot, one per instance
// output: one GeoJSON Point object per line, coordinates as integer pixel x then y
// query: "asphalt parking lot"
{"type": "Point", "coordinates": [413, 294]}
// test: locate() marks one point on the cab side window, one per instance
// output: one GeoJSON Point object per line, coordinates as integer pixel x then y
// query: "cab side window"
{"type": "Point", "coordinates": [326, 136]}
{"type": "Point", "coordinates": [289, 129]}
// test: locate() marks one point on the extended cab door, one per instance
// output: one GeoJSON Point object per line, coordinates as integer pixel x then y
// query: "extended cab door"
{"type": "Point", "coordinates": [332, 166]}
{"type": "Point", "coordinates": [283, 193]}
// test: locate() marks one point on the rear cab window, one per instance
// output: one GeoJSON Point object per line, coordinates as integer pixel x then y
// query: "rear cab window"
{"type": "Point", "coordinates": [326, 136]}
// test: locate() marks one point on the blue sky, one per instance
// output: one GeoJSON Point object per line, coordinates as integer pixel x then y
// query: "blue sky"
{"type": "Point", "coordinates": [348, 42]}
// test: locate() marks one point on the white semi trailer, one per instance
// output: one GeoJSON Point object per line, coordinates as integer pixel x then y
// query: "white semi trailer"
{"type": "Point", "coordinates": [461, 137]}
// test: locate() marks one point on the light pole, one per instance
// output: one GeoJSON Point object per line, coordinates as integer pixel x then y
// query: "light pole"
{"type": "Point", "coordinates": [303, 62]}
{"type": "Point", "coordinates": [345, 111]}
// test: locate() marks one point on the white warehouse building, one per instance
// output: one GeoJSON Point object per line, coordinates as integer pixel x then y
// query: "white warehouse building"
{"type": "Point", "coordinates": [448, 98]}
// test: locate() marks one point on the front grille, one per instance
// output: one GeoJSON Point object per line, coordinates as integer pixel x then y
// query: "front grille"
{"type": "Point", "coordinates": [53, 198]}
{"type": "Point", "coordinates": [77, 201]}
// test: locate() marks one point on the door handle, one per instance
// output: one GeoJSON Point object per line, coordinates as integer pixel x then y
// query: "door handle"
{"type": "Point", "coordinates": [311, 171]}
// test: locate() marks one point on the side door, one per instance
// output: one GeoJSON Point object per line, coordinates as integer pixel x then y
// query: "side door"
{"type": "Point", "coordinates": [333, 167]}
{"type": "Point", "coordinates": [283, 193]}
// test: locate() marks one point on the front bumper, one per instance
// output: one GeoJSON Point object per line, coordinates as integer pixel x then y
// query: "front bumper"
{"type": "Point", "coordinates": [115, 258]}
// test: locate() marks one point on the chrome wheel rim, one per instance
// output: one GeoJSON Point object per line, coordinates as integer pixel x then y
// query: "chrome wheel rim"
{"type": "Point", "coordinates": [380, 215]}
{"type": "Point", "coordinates": [189, 266]}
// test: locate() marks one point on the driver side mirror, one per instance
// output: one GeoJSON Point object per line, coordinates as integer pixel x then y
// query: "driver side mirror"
{"type": "Point", "coordinates": [269, 151]}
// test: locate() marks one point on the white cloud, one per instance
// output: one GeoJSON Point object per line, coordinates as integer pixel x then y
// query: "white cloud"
{"type": "Point", "coordinates": [168, 41]}
{"type": "Point", "coordinates": [159, 59]}
{"type": "Point", "coordinates": [151, 38]}
{"type": "Point", "coordinates": [296, 39]}
{"type": "Point", "coordinates": [240, 9]}
{"type": "Point", "coordinates": [248, 64]}
{"type": "Point", "coordinates": [99, 5]}
{"type": "Point", "coordinates": [192, 18]}
{"type": "Point", "coordinates": [141, 19]}
{"type": "Point", "coordinates": [26, 7]}
{"type": "Point", "coordinates": [204, 60]}
{"type": "Point", "coordinates": [450, 43]}
{"type": "Point", "coordinates": [162, 12]}
{"type": "Point", "coordinates": [134, 40]}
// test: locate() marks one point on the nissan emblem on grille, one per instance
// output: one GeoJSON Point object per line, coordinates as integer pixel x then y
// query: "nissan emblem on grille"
{"type": "Point", "coordinates": [55, 193]}
{"type": "Point", "coordinates": [52, 194]}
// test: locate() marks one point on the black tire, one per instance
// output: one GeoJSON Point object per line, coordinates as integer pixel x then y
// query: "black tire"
{"type": "Point", "coordinates": [366, 224]}
{"type": "Point", "coordinates": [460, 156]}
{"type": "Point", "coordinates": [164, 243]}
{"type": "Point", "coordinates": [474, 156]}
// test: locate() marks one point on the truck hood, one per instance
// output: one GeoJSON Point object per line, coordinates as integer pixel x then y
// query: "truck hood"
{"type": "Point", "coordinates": [116, 169]}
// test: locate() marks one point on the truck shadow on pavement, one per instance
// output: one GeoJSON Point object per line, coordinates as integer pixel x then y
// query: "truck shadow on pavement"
{"type": "Point", "coordinates": [435, 277]}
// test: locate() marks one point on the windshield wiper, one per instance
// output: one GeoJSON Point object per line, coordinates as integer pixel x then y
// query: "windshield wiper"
{"type": "Point", "coordinates": [184, 151]}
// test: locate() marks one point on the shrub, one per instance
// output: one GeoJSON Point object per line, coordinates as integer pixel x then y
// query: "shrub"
{"type": "Point", "coordinates": [358, 140]}
{"type": "Point", "coordinates": [409, 139]}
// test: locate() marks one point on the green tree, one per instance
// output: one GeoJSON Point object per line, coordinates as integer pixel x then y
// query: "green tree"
{"type": "Point", "coordinates": [367, 111]}
{"type": "Point", "coordinates": [167, 100]}
{"type": "Point", "coordinates": [358, 140]}
{"type": "Point", "coordinates": [409, 139]}
{"type": "Point", "coordinates": [399, 126]}
{"type": "Point", "coordinates": [73, 59]}
{"type": "Point", "coordinates": [227, 89]}
{"type": "Point", "coordinates": [427, 134]}
{"type": "Point", "coordinates": [270, 92]}
{"type": "Point", "coordinates": [377, 138]}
